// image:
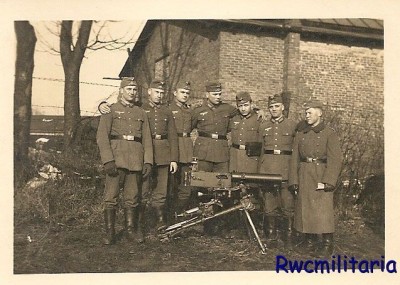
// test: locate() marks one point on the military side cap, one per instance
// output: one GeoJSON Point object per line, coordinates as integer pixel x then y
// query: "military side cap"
{"type": "Point", "coordinates": [214, 87]}
{"type": "Point", "coordinates": [183, 85]}
{"type": "Point", "coordinates": [243, 97]}
{"type": "Point", "coordinates": [128, 81]}
{"type": "Point", "coordinates": [274, 99]}
{"type": "Point", "coordinates": [157, 84]}
{"type": "Point", "coordinates": [313, 104]}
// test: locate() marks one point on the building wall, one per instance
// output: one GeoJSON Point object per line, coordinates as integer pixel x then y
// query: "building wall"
{"type": "Point", "coordinates": [252, 63]}
{"type": "Point", "coordinates": [348, 79]}
{"type": "Point", "coordinates": [192, 55]}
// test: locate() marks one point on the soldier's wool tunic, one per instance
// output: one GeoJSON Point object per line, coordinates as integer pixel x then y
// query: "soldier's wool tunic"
{"type": "Point", "coordinates": [165, 144]}
{"type": "Point", "coordinates": [317, 158]}
{"type": "Point", "coordinates": [125, 120]}
{"type": "Point", "coordinates": [163, 131]}
{"type": "Point", "coordinates": [243, 130]}
{"type": "Point", "coordinates": [212, 120]}
{"type": "Point", "coordinates": [277, 136]}
{"type": "Point", "coordinates": [124, 136]}
{"type": "Point", "coordinates": [183, 123]}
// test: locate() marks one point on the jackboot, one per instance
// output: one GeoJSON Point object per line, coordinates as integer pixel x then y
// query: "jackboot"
{"type": "Point", "coordinates": [325, 250]}
{"type": "Point", "coordinates": [308, 244]}
{"type": "Point", "coordinates": [287, 231]}
{"type": "Point", "coordinates": [160, 220]}
{"type": "Point", "coordinates": [270, 228]}
{"type": "Point", "coordinates": [131, 229]}
{"type": "Point", "coordinates": [139, 223]}
{"type": "Point", "coordinates": [109, 222]}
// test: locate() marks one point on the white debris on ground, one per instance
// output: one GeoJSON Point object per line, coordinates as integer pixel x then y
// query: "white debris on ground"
{"type": "Point", "coordinates": [46, 172]}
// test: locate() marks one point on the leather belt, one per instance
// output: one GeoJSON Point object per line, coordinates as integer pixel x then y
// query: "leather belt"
{"type": "Point", "coordinates": [313, 160]}
{"type": "Point", "coordinates": [126, 137]}
{"type": "Point", "coordinates": [278, 151]}
{"type": "Point", "coordinates": [239, 146]}
{"type": "Point", "coordinates": [213, 136]}
{"type": "Point", "coordinates": [159, 137]}
{"type": "Point", "coordinates": [183, 135]}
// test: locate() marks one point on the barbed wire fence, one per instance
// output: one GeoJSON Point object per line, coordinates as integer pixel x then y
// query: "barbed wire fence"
{"type": "Point", "coordinates": [61, 108]}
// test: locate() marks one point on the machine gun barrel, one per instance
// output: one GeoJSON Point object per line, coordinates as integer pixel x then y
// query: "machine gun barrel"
{"type": "Point", "coordinates": [256, 177]}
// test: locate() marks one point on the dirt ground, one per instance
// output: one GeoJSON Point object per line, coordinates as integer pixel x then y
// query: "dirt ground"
{"type": "Point", "coordinates": [39, 248]}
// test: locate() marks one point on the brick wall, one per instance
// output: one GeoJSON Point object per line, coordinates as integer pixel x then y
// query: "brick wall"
{"type": "Point", "coordinates": [346, 78]}
{"type": "Point", "coordinates": [251, 63]}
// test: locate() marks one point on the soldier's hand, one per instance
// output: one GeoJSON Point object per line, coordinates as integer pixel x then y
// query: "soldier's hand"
{"type": "Point", "coordinates": [146, 170]}
{"type": "Point", "coordinates": [261, 115]}
{"type": "Point", "coordinates": [329, 188]}
{"type": "Point", "coordinates": [294, 189]}
{"type": "Point", "coordinates": [173, 167]}
{"type": "Point", "coordinates": [196, 104]}
{"type": "Point", "coordinates": [111, 169]}
{"type": "Point", "coordinates": [104, 108]}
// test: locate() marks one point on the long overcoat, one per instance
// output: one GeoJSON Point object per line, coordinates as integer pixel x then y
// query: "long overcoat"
{"type": "Point", "coordinates": [316, 158]}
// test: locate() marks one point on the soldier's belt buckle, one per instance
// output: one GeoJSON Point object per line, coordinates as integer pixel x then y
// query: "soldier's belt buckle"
{"type": "Point", "coordinates": [129, 138]}
{"type": "Point", "coordinates": [310, 159]}
{"type": "Point", "coordinates": [277, 151]}
{"type": "Point", "coordinates": [214, 136]}
{"type": "Point", "coordinates": [242, 146]}
{"type": "Point", "coordinates": [157, 137]}
{"type": "Point", "coordinates": [184, 135]}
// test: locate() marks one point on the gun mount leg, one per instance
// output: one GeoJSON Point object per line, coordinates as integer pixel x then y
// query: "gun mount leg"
{"type": "Point", "coordinates": [263, 249]}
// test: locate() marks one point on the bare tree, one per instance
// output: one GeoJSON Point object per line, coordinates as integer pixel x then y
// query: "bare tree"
{"type": "Point", "coordinates": [26, 42]}
{"type": "Point", "coordinates": [76, 37]}
{"type": "Point", "coordinates": [71, 57]}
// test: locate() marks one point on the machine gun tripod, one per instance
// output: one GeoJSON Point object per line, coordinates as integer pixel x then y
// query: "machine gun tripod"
{"type": "Point", "coordinates": [220, 189]}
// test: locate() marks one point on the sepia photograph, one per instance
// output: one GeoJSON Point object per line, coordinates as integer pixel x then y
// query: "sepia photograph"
{"type": "Point", "coordinates": [205, 144]}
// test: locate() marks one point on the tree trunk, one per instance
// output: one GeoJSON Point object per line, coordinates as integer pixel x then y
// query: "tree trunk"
{"type": "Point", "coordinates": [71, 104]}
{"type": "Point", "coordinates": [26, 42]}
{"type": "Point", "coordinates": [71, 57]}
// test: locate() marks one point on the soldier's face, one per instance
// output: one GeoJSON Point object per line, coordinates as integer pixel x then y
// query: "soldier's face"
{"type": "Point", "coordinates": [214, 97]}
{"type": "Point", "coordinates": [276, 110]}
{"type": "Point", "coordinates": [182, 95]}
{"type": "Point", "coordinates": [129, 93]}
{"type": "Point", "coordinates": [155, 95]}
{"type": "Point", "coordinates": [244, 108]}
{"type": "Point", "coordinates": [313, 116]}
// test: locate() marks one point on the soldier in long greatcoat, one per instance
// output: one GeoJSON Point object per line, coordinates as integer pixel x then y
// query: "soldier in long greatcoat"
{"type": "Point", "coordinates": [314, 171]}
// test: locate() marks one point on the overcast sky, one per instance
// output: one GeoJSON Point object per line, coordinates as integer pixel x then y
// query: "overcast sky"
{"type": "Point", "coordinates": [48, 95]}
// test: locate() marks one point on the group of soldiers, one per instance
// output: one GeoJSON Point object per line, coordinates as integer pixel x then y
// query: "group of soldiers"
{"type": "Point", "coordinates": [141, 144]}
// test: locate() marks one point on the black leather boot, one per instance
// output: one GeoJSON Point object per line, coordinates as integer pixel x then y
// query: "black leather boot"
{"type": "Point", "coordinates": [308, 244]}
{"type": "Point", "coordinates": [325, 250]}
{"type": "Point", "coordinates": [139, 223]}
{"type": "Point", "coordinates": [160, 219]}
{"type": "Point", "coordinates": [287, 231]}
{"type": "Point", "coordinates": [270, 229]}
{"type": "Point", "coordinates": [131, 230]}
{"type": "Point", "coordinates": [109, 221]}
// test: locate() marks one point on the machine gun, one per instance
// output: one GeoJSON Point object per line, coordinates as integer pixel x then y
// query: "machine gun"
{"type": "Point", "coordinates": [226, 193]}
